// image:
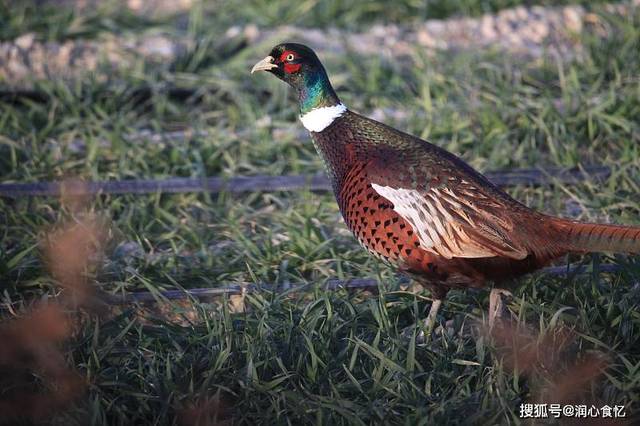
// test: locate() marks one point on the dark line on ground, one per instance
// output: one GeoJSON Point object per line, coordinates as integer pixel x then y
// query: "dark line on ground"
{"type": "Point", "coordinates": [240, 184]}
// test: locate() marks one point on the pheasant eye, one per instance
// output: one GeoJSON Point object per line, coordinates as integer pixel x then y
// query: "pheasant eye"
{"type": "Point", "coordinates": [290, 57]}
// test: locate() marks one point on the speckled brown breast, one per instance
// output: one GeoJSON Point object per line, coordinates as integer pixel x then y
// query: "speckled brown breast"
{"type": "Point", "coordinates": [384, 233]}
{"type": "Point", "coordinates": [374, 223]}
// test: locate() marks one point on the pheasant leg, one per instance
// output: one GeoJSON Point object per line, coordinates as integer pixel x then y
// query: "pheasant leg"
{"type": "Point", "coordinates": [430, 321]}
{"type": "Point", "coordinates": [498, 305]}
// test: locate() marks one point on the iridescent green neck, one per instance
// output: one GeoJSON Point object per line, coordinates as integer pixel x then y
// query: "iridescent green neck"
{"type": "Point", "coordinates": [315, 91]}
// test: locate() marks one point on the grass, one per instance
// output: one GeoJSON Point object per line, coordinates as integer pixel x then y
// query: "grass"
{"type": "Point", "coordinates": [322, 357]}
{"type": "Point", "coordinates": [50, 22]}
{"type": "Point", "coordinates": [53, 22]}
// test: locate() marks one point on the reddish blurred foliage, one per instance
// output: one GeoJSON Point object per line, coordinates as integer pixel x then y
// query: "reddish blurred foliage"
{"type": "Point", "coordinates": [206, 411]}
{"type": "Point", "coordinates": [524, 350]}
{"type": "Point", "coordinates": [45, 325]}
{"type": "Point", "coordinates": [74, 195]}
{"type": "Point", "coordinates": [568, 386]}
{"type": "Point", "coordinates": [35, 380]}
{"type": "Point", "coordinates": [30, 360]}
{"type": "Point", "coordinates": [69, 253]}
{"type": "Point", "coordinates": [556, 375]}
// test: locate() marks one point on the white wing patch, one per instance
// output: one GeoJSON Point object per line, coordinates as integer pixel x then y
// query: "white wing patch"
{"type": "Point", "coordinates": [319, 119]}
{"type": "Point", "coordinates": [444, 229]}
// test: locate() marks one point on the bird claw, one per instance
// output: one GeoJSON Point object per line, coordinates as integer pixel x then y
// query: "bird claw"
{"type": "Point", "coordinates": [440, 330]}
{"type": "Point", "coordinates": [427, 326]}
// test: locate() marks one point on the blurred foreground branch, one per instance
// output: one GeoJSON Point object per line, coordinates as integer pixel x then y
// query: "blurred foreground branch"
{"type": "Point", "coordinates": [35, 380]}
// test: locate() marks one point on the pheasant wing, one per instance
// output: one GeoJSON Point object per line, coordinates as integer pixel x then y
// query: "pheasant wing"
{"type": "Point", "coordinates": [451, 215]}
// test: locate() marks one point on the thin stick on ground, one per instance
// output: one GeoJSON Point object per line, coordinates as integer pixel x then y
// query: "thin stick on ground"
{"type": "Point", "coordinates": [357, 283]}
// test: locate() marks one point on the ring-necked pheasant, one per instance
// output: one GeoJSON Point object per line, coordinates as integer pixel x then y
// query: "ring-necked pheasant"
{"type": "Point", "coordinates": [422, 209]}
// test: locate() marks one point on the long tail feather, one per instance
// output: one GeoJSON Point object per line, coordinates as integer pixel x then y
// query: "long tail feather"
{"type": "Point", "coordinates": [594, 237]}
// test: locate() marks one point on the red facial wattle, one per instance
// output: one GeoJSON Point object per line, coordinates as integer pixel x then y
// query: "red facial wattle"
{"type": "Point", "coordinates": [289, 68]}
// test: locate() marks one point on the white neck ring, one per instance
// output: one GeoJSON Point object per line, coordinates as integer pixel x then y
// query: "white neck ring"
{"type": "Point", "coordinates": [319, 119]}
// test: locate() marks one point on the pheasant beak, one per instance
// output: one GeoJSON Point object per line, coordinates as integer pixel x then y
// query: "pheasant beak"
{"type": "Point", "coordinates": [264, 65]}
